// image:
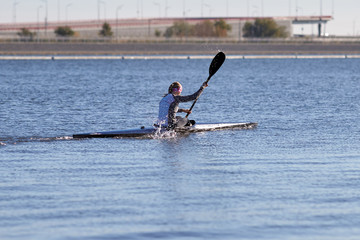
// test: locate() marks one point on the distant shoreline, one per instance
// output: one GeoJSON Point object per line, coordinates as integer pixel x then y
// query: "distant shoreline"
{"type": "Point", "coordinates": [166, 48]}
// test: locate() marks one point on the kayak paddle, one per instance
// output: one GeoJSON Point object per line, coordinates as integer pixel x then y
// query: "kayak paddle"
{"type": "Point", "coordinates": [214, 67]}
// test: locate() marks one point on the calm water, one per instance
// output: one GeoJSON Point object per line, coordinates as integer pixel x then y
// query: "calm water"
{"type": "Point", "coordinates": [296, 176]}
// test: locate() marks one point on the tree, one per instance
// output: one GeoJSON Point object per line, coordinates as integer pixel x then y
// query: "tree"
{"type": "Point", "coordinates": [179, 29]}
{"type": "Point", "coordinates": [157, 33]}
{"type": "Point", "coordinates": [264, 28]}
{"type": "Point", "coordinates": [64, 31]}
{"type": "Point", "coordinates": [205, 29]}
{"type": "Point", "coordinates": [26, 33]}
{"type": "Point", "coordinates": [106, 30]}
{"type": "Point", "coordinates": [222, 28]}
{"type": "Point", "coordinates": [202, 29]}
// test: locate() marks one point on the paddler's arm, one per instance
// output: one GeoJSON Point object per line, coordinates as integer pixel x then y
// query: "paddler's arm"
{"type": "Point", "coordinates": [192, 96]}
{"type": "Point", "coordinates": [184, 110]}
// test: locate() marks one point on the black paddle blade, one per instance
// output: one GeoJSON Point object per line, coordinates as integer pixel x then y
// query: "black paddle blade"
{"type": "Point", "coordinates": [216, 63]}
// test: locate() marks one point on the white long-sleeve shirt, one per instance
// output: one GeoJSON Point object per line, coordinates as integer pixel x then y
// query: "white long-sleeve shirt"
{"type": "Point", "coordinates": [169, 106]}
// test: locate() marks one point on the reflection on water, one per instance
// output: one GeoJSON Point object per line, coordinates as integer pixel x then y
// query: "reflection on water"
{"type": "Point", "coordinates": [295, 176]}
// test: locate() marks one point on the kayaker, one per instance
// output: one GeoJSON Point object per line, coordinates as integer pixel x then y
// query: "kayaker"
{"type": "Point", "coordinates": [169, 106]}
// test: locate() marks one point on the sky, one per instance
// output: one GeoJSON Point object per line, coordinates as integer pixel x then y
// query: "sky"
{"type": "Point", "coordinates": [345, 12]}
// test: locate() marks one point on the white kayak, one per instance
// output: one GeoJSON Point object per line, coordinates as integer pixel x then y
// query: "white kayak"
{"type": "Point", "coordinates": [149, 131]}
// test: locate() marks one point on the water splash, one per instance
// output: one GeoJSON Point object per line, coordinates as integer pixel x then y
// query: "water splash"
{"type": "Point", "coordinates": [161, 131]}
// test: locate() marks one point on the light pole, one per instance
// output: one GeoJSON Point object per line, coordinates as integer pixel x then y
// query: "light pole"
{"type": "Point", "coordinates": [14, 10]}
{"type": "Point", "coordinates": [38, 24]}
{"type": "Point", "coordinates": [117, 17]}
{"type": "Point", "coordinates": [98, 10]}
{"type": "Point", "coordinates": [99, 2]}
{"type": "Point", "coordinates": [166, 8]}
{"type": "Point", "coordinates": [321, 6]}
{"type": "Point", "coordinates": [227, 8]}
{"type": "Point", "coordinates": [158, 4]}
{"type": "Point", "coordinates": [66, 10]}
{"type": "Point", "coordinates": [210, 9]}
{"type": "Point", "coordinates": [140, 9]}
{"type": "Point", "coordinates": [102, 2]}
{"type": "Point", "coordinates": [202, 8]}
{"type": "Point", "coordinates": [46, 15]}
{"type": "Point", "coordinates": [297, 9]}
{"type": "Point", "coordinates": [255, 11]}
{"type": "Point", "coordinates": [183, 8]}
{"type": "Point", "coordinates": [248, 8]}
{"type": "Point", "coordinates": [58, 10]}
{"type": "Point", "coordinates": [289, 8]}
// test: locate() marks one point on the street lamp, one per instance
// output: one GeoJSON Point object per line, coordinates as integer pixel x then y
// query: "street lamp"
{"type": "Point", "coordinates": [66, 11]}
{"type": "Point", "coordinates": [289, 8]}
{"type": "Point", "coordinates": [321, 8]}
{"type": "Point", "coordinates": [255, 11]}
{"type": "Point", "coordinates": [183, 8]}
{"type": "Point", "coordinates": [185, 11]}
{"type": "Point", "coordinates": [158, 4]}
{"type": "Point", "coordinates": [227, 8]}
{"type": "Point", "coordinates": [58, 10]}
{"type": "Point", "coordinates": [14, 10]}
{"type": "Point", "coordinates": [102, 2]}
{"type": "Point", "coordinates": [46, 15]}
{"type": "Point", "coordinates": [38, 25]}
{"type": "Point", "coordinates": [248, 8]}
{"type": "Point", "coordinates": [139, 9]}
{"type": "Point", "coordinates": [210, 9]}
{"type": "Point", "coordinates": [202, 8]}
{"type": "Point", "coordinates": [166, 8]}
{"type": "Point", "coordinates": [117, 17]}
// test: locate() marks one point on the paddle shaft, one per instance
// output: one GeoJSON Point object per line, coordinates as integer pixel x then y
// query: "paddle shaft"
{"type": "Point", "coordinates": [196, 99]}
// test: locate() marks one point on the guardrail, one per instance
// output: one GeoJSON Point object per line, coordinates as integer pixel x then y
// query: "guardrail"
{"type": "Point", "coordinates": [130, 57]}
{"type": "Point", "coordinates": [35, 39]}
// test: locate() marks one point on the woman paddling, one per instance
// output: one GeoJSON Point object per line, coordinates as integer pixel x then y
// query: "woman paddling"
{"type": "Point", "coordinates": [169, 106]}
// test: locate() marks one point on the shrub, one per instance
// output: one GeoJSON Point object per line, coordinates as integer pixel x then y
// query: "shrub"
{"type": "Point", "coordinates": [264, 28]}
{"type": "Point", "coordinates": [203, 29]}
{"type": "Point", "coordinates": [24, 32]}
{"type": "Point", "coordinates": [64, 31]}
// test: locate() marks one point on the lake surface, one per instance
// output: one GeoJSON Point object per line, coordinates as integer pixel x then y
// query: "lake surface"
{"type": "Point", "coordinates": [296, 176]}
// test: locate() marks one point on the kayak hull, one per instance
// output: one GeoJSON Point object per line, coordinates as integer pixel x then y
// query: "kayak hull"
{"type": "Point", "coordinates": [148, 131]}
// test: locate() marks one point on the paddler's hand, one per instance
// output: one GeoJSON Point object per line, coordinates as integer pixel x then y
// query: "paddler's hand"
{"type": "Point", "coordinates": [186, 111]}
{"type": "Point", "coordinates": [205, 84]}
